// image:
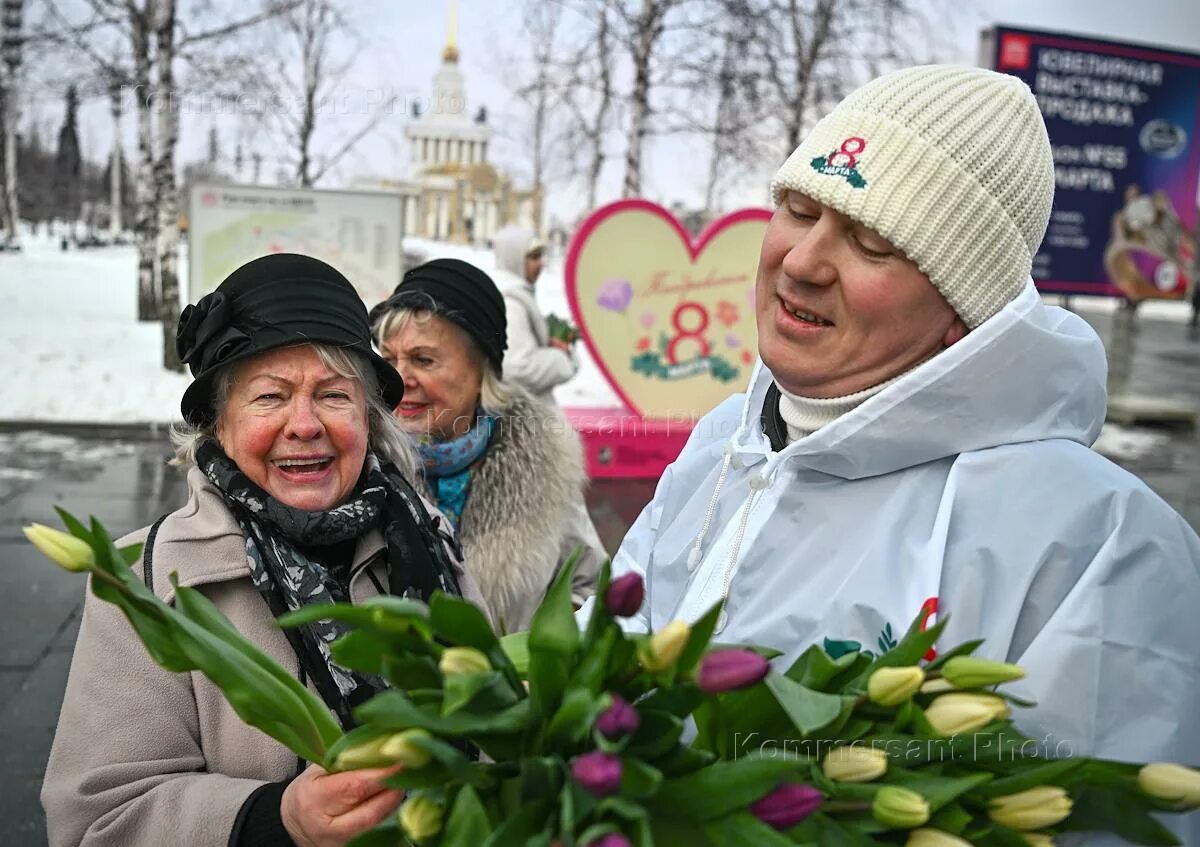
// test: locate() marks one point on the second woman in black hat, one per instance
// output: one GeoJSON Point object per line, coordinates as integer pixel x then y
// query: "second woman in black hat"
{"type": "Point", "coordinates": [505, 469]}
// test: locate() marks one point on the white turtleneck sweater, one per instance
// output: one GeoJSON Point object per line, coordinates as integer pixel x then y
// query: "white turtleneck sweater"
{"type": "Point", "coordinates": [805, 415]}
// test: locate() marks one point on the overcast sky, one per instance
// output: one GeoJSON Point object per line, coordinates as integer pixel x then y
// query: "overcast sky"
{"type": "Point", "coordinates": [399, 43]}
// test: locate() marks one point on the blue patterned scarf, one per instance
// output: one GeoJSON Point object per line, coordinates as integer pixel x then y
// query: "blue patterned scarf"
{"type": "Point", "coordinates": [448, 466]}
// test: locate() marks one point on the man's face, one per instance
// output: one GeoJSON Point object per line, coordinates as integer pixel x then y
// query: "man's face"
{"type": "Point", "coordinates": [533, 266]}
{"type": "Point", "coordinates": [839, 308]}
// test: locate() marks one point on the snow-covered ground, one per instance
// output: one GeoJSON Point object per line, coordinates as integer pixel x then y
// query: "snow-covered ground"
{"type": "Point", "coordinates": [73, 350]}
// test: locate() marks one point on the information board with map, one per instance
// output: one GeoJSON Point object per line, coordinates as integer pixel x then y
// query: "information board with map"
{"type": "Point", "coordinates": [359, 233]}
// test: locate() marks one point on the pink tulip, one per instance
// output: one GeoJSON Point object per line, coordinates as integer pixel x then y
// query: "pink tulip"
{"type": "Point", "coordinates": [599, 773]}
{"type": "Point", "coordinates": [726, 670]}
{"type": "Point", "coordinates": [618, 720]}
{"type": "Point", "coordinates": [610, 839]}
{"type": "Point", "coordinates": [625, 595]}
{"type": "Point", "coordinates": [787, 805]}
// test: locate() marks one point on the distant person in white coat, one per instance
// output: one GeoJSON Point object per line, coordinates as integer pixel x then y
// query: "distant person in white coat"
{"type": "Point", "coordinates": [534, 359]}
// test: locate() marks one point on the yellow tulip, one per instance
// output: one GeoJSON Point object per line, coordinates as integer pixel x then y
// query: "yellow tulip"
{"type": "Point", "coordinates": [937, 686]}
{"type": "Point", "coordinates": [934, 838]}
{"type": "Point", "coordinates": [894, 686]}
{"type": "Point", "coordinates": [365, 755]}
{"type": "Point", "coordinates": [463, 660]}
{"type": "Point", "coordinates": [952, 714]}
{"type": "Point", "coordinates": [969, 672]}
{"type": "Point", "coordinates": [898, 807]}
{"type": "Point", "coordinates": [1174, 784]}
{"type": "Point", "coordinates": [665, 646]}
{"type": "Point", "coordinates": [400, 748]}
{"type": "Point", "coordinates": [62, 548]}
{"type": "Point", "coordinates": [421, 818]}
{"type": "Point", "coordinates": [1036, 808]}
{"type": "Point", "coordinates": [855, 764]}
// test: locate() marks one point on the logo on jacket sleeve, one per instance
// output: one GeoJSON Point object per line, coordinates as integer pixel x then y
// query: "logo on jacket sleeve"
{"type": "Point", "coordinates": [843, 162]}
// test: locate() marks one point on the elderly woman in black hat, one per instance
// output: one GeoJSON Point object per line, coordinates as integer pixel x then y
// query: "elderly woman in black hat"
{"type": "Point", "coordinates": [504, 468]}
{"type": "Point", "coordinates": [297, 495]}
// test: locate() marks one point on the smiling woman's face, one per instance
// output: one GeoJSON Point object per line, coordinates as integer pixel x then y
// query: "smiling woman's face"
{"type": "Point", "coordinates": [296, 428]}
{"type": "Point", "coordinates": [442, 374]}
{"type": "Point", "coordinates": [839, 308]}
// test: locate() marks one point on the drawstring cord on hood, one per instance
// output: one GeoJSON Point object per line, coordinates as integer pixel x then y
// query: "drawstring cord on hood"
{"type": "Point", "coordinates": [758, 483]}
{"type": "Point", "coordinates": [697, 551]}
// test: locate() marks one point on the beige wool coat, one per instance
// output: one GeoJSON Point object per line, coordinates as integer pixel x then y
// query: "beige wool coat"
{"type": "Point", "coordinates": [147, 757]}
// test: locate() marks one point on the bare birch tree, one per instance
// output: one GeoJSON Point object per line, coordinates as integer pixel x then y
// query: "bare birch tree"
{"type": "Point", "coordinates": [10, 62]}
{"type": "Point", "coordinates": [644, 29]}
{"type": "Point", "coordinates": [153, 39]}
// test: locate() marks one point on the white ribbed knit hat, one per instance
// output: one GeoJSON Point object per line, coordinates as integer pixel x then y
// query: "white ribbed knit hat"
{"type": "Point", "coordinates": [950, 164]}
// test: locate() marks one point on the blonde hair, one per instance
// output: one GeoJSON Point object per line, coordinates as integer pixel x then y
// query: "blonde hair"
{"type": "Point", "coordinates": [384, 435]}
{"type": "Point", "coordinates": [495, 395]}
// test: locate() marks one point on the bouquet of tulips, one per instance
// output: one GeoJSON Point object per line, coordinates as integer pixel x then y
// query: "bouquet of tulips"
{"type": "Point", "coordinates": [562, 329]}
{"type": "Point", "coordinates": [600, 738]}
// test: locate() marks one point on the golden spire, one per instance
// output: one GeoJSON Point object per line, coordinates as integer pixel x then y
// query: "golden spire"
{"type": "Point", "coordinates": [450, 54]}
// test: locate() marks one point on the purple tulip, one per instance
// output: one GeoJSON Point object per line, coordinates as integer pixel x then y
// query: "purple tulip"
{"type": "Point", "coordinates": [787, 805]}
{"type": "Point", "coordinates": [725, 670]}
{"type": "Point", "coordinates": [598, 772]}
{"type": "Point", "coordinates": [610, 839]}
{"type": "Point", "coordinates": [625, 594]}
{"type": "Point", "coordinates": [618, 720]}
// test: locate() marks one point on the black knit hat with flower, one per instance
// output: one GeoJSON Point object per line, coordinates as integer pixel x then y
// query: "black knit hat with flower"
{"type": "Point", "coordinates": [275, 301]}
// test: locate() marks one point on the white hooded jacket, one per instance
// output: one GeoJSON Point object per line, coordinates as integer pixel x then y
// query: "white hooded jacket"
{"type": "Point", "coordinates": [966, 487]}
{"type": "Point", "coordinates": [529, 361]}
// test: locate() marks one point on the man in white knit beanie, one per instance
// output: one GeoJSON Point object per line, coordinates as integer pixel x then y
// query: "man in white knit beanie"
{"type": "Point", "coordinates": [915, 441]}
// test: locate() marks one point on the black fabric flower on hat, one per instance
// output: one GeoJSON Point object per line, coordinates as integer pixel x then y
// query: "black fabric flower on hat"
{"type": "Point", "coordinates": [206, 335]}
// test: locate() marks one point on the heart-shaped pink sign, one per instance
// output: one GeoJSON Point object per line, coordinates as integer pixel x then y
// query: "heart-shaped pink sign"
{"type": "Point", "coordinates": [668, 319]}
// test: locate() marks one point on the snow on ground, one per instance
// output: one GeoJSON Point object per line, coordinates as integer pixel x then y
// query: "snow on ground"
{"type": "Point", "coordinates": [70, 341]}
{"type": "Point", "coordinates": [1121, 444]}
{"type": "Point", "coordinates": [73, 350]}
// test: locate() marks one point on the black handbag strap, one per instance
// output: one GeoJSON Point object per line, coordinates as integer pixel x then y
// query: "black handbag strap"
{"type": "Point", "coordinates": [148, 553]}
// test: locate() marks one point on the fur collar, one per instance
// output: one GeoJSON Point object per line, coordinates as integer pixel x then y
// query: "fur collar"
{"type": "Point", "coordinates": [518, 508]}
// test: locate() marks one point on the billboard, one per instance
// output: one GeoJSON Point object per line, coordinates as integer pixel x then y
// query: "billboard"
{"type": "Point", "coordinates": [359, 233]}
{"type": "Point", "coordinates": [1123, 122]}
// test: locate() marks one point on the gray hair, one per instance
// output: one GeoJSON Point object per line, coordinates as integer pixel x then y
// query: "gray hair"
{"type": "Point", "coordinates": [384, 435]}
{"type": "Point", "coordinates": [495, 395]}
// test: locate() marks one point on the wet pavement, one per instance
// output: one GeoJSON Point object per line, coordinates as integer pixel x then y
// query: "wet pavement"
{"type": "Point", "coordinates": [126, 484]}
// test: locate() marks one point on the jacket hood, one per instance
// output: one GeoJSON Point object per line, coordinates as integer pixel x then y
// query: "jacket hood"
{"type": "Point", "coordinates": [510, 245]}
{"type": "Point", "coordinates": [1031, 372]}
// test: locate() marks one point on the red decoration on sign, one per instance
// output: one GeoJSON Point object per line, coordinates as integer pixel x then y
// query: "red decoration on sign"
{"type": "Point", "coordinates": [684, 334]}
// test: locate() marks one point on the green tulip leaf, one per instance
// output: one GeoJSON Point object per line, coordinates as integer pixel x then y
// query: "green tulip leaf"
{"type": "Point", "coordinates": [809, 710]}
{"type": "Point", "coordinates": [460, 622]}
{"type": "Point", "coordinates": [467, 825]}
{"type": "Point", "coordinates": [480, 691]}
{"type": "Point", "coordinates": [516, 647]}
{"type": "Point", "coordinates": [639, 779]}
{"type": "Point", "coordinates": [722, 787]}
{"type": "Point", "coordinates": [1125, 813]}
{"type": "Point", "coordinates": [742, 828]}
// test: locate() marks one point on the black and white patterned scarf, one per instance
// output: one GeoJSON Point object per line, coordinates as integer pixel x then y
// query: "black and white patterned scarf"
{"type": "Point", "coordinates": [277, 536]}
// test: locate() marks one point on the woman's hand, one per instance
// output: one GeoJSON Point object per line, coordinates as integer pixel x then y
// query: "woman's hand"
{"type": "Point", "coordinates": [321, 809]}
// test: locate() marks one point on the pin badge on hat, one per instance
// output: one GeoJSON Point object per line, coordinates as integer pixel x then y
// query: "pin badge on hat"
{"type": "Point", "coordinates": [843, 162]}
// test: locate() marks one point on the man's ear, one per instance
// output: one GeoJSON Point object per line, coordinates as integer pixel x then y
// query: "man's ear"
{"type": "Point", "coordinates": [955, 333]}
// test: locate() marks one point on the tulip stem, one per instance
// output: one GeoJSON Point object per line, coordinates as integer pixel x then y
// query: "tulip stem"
{"type": "Point", "coordinates": [835, 806]}
{"type": "Point", "coordinates": [105, 576]}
